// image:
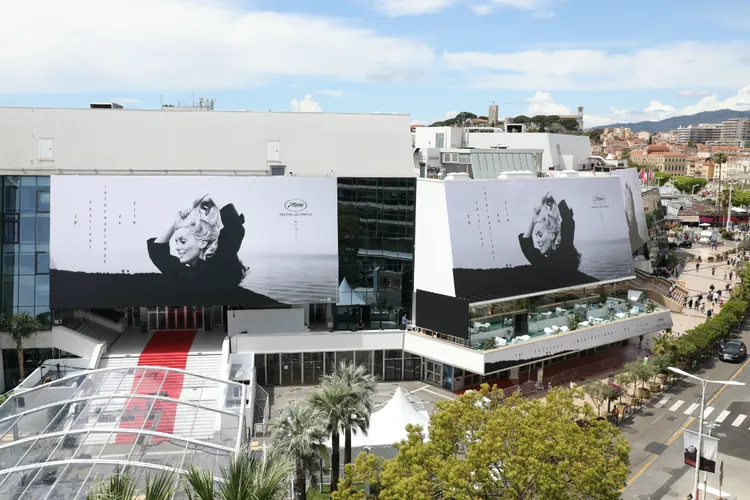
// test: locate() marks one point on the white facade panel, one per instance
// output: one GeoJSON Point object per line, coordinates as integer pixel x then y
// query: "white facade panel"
{"type": "Point", "coordinates": [273, 151]}
{"type": "Point", "coordinates": [266, 321]}
{"type": "Point", "coordinates": [445, 352]}
{"type": "Point", "coordinates": [433, 257]}
{"type": "Point", "coordinates": [555, 146]}
{"type": "Point", "coordinates": [319, 341]}
{"type": "Point", "coordinates": [140, 141]}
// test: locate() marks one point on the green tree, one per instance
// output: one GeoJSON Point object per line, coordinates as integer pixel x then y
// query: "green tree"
{"type": "Point", "coordinates": [247, 476]}
{"type": "Point", "coordinates": [642, 372]}
{"type": "Point", "coordinates": [517, 448]}
{"type": "Point", "coordinates": [345, 406]}
{"type": "Point", "coordinates": [521, 119]}
{"type": "Point", "coordinates": [539, 121]}
{"type": "Point", "coordinates": [690, 144]}
{"type": "Point", "coordinates": [624, 379]}
{"type": "Point", "coordinates": [122, 486]}
{"type": "Point", "coordinates": [599, 393]}
{"type": "Point", "coordinates": [300, 433]}
{"type": "Point", "coordinates": [625, 155]}
{"type": "Point", "coordinates": [662, 177]}
{"type": "Point", "coordinates": [570, 124]}
{"type": "Point", "coordinates": [688, 184]}
{"type": "Point", "coordinates": [21, 326]}
{"type": "Point", "coordinates": [362, 385]}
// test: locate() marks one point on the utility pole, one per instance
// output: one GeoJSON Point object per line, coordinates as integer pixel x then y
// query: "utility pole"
{"type": "Point", "coordinates": [729, 209]}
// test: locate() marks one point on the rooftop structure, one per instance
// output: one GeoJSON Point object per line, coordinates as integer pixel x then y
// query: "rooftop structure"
{"type": "Point", "coordinates": [60, 438]}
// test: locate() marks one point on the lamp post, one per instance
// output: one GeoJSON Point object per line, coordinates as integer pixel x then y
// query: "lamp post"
{"type": "Point", "coordinates": [704, 382]}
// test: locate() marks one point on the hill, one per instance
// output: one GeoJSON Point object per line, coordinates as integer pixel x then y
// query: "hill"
{"type": "Point", "coordinates": [717, 116]}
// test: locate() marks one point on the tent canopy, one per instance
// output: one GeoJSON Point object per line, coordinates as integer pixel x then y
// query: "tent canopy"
{"type": "Point", "coordinates": [347, 296]}
{"type": "Point", "coordinates": [388, 425]}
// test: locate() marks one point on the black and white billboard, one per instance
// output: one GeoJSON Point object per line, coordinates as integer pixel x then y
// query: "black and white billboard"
{"type": "Point", "coordinates": [121, 241]}
{"type": "Point", "coordinates": [442, 314]}
{"type": "Point", "coordinates": [630, 185]}
{"type": "Point", "coordinates": [513, 238]}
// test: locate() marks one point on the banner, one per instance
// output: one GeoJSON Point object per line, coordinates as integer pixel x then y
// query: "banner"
{"type": "Point", "coordinates": [634, 214]}
{"type": "Point", "coordinates": [514, 238]}
{"type": "Point", "coordinates": [119, 241]}
{"type": "Point", "coordinates": [709, 451]}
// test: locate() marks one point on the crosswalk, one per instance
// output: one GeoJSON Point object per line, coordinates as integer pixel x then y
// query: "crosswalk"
{"type": "Point", "coordinates": [693, 410]}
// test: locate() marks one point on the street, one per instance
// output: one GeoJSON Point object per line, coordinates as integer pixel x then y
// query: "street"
{"type": "Point", "coordinates": [656, 434]}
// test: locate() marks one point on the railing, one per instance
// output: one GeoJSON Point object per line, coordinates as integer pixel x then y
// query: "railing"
{"type": "Point", "coordinates": [263, 408]}
{"type": "Point", "coordinates": [571, 375]}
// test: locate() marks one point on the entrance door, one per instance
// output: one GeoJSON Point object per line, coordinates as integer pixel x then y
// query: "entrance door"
{"type": "Point", "coordinates": [291, 368]}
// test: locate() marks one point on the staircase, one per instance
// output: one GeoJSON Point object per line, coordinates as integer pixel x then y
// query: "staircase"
{"type": "Point", "coordinates": [92, 330]}
{"type": "Point", "coordinates": [199, 390]}
{"type": "Point", "coordinates": [659, 288]}
{"type": "Point", "coordinates": [167, 348]}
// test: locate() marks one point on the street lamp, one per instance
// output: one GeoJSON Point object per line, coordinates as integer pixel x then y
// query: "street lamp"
{"type": "Point", "coordinates": [703, 382]}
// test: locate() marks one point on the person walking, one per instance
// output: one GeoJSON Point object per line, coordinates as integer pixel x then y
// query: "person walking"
{"type": "Point", "coordinates": [690, 303]}
{"type": "Point", "coordinates": [730, 275]}
{"type": "Point", "coordinates": [616, 416]}
{"type": "Point", "coordinates": [713, 270]}
{"type": "Point", "coordinates": [697, 266]}
{"type": "Point", "coordinates": [725, 275]}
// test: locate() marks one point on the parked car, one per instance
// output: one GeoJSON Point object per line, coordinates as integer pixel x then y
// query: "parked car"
{"type": "Point", "coordinates": [734, 350]}
{"type": "Point", "coordinates": [685, 244]}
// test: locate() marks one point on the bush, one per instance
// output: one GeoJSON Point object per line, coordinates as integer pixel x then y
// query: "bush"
{"type": "Point", "coordinates": [726, 235]}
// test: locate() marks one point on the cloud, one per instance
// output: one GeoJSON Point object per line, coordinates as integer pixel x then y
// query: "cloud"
{"type": "Point", "coordinates": [396, 8]}
{"type": "Point", "coordinates": [658, 111]}
{"type": "Point", "coordinates": [184, 45]}
{"type": "Point", "coordinates": [482, 9]}
{"type": "Point", "coordinates": [332, 93]}
{"type": "Point", "coordinates": [587, 69]}
{"type": "Point", "coordinates": [543, 104]}
{"type": "Point", "coordinates": [420, 122]}
{"type": "Point", "coordinates": [306, 105]}
{"type": "Point", "coordinates": [543, 14]}
{"type": "Point", "coordinates": [693, 93]}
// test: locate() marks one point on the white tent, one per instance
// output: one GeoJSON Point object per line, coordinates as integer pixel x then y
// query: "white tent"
{"type": "Point", "coordinates": [347, 296]}
{"type": "Point", "coordinates": [388, 425]}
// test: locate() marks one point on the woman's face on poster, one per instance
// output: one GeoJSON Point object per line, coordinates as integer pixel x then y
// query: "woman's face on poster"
{"type": "Point", "coordinates": [542, 238]}
{"type": "Point", "coordinates": [187, 246]}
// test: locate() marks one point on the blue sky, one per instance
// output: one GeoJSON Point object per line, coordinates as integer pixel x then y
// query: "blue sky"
{"type": "Point", "coordinates": [428, 58]}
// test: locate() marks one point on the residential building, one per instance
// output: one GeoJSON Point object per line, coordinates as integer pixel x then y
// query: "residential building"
{"type": "Point", "coordinates": [736, 132]}
{"type": "Point", "coordinates": [643, 135]}
{"type": "Point", "coordinates": [662, 159]}
{"type": "Point", "coordinates": [702, 133]}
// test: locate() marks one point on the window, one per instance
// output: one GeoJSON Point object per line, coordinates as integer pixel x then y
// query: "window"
{"type": "Point", "coordinates": [278, 170]}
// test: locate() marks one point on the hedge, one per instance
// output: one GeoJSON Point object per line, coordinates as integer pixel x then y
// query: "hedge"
{"type": "Point", "coordinates": [701, 339]}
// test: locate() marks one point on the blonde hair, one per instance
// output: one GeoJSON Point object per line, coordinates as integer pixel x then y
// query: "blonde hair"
{"type": "Point", "coordinates": [550, 219]}
{"type": "Point", "coordinates": [204, 225]}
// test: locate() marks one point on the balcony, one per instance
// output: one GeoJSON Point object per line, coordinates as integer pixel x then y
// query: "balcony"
{"type": "Point", "coordinates": [550, 332]}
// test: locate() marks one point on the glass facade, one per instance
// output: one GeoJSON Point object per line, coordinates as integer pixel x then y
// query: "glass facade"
{"type": "Point", "coordinates": [25, 242]}
{"type": "Point", "coordinates": [376, 251]}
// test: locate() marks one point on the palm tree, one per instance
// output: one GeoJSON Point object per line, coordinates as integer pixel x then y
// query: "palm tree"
{"type": "Point", "coordinates": [334, 401]}
{"type": "Point", "coordinates": [20, 327]}
{"type": "Point", "coordinates": [300, 433]}
{"type": "Point", "coordinates": [247, 477]}
{"type": "Point", "coordinates": [362, 385]}
{"type": "Point", "coordinates": [122, 486]}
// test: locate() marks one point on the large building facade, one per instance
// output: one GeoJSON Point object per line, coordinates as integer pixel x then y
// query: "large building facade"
{"type": "Point", "coordinates": [378, 277]}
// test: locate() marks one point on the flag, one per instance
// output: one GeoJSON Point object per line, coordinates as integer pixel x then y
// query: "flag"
{"type": "Point", "coordinates": [709, 451]}
{"type": "Point", "coordinates": [651, 173]}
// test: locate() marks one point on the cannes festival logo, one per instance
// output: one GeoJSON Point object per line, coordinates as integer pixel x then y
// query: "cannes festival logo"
{"type": "Point", "coordinates": [295, 205]}
{"type": "Point", "coordinates": [599, 199]}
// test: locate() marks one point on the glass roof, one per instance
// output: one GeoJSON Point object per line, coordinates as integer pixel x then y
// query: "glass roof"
{"type": "Point", "coordinates": [59, 438]}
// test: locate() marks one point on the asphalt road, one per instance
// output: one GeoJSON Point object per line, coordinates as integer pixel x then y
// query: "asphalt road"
{"type": "Point", "coordinates": [656, 434]}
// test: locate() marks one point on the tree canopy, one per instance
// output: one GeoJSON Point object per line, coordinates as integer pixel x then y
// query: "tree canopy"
{"type": "Point", "coordinates": [686, 184]}
{"type": "Point", "coordinates": [484, 446]}
{"type": "Point", "coordinates": [459, 120]}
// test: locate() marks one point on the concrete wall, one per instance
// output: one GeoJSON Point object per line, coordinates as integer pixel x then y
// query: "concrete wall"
{"type": "Point", "coordinates": [59, 337]}
{"type": "Point", "coordinates": [142, 141]}
{"type": "Point", "coordinates": [579, 147]}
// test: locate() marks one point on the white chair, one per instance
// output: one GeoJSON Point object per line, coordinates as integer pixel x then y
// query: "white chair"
{"type": "Point", "coordinates": [563, 329]}
{"type": "Point", "coordinates": [548, 330]}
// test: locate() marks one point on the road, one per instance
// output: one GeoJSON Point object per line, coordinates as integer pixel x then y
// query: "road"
{"type": "Point", "coordinates": [656, 434]}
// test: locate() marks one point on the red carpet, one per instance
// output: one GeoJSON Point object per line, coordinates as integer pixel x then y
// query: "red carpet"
{"type": "Point", "coordinates": [168, 348]}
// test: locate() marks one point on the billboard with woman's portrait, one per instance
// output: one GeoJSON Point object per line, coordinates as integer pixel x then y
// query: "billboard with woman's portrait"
{"type": "Point", "coordinates": [634, 213]}
{"type": "Point", "coordinates": [120, 241]}
{"type": "Point", "coordinates": [513, 238]}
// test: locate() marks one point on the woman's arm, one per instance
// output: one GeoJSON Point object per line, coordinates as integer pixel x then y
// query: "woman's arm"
{"type": "Point", "coordinates": [530, 229]}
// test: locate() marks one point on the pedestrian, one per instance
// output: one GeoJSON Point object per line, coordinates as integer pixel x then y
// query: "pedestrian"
{"type": "Point", "coordinates": [712, 288]}
{"type": "Point", "coordinates": [616, 415]}
{"type": "Point", "coordinates": [727, 261]}
{"type": "Point", "coordinates": [697, 266]}
{"type": "Point", "coordinates": [690, 303]}
{"type": "Point", "coordinates": [725, 275]}
{"type": "Point", "coordinates": [718, 292]}
{"type": "Point", "coordinates": [713, 270]}
{"type": "Point", "coordinates": [721, 304]}
{"type": "Point", "coordinates": [730, 275]}
{"type": "Point", "coordinates": [728, 287]}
